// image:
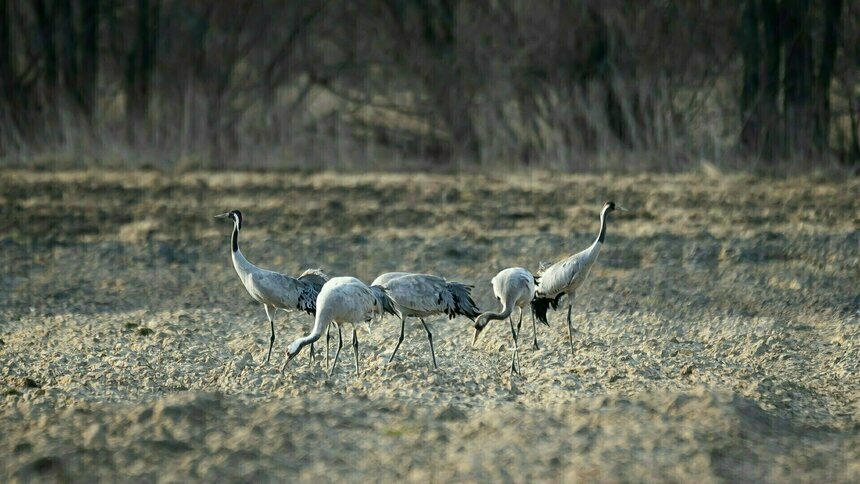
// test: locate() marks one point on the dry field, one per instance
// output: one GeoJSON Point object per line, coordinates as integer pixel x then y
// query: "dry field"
{"type": "Point", "coordinates": [718, 338]}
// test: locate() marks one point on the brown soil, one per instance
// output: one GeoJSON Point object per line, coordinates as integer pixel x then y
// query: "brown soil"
{"type": "Point", "coordinates": [718, 337]}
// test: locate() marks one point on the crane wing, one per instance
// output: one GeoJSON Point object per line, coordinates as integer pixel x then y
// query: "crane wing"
{"type": "Point", "coordinates": [284, 291]}
{"type": "Point", "coordinates": [420, 294]}
{"type": "Point", "coordinates": [383, 279]}
{"type": "Point", "coordinates": [558, 277]}
{"type": "Point", "coordinates": [307, 300]}
{"type": "Point", "coordinates": [314, 277]}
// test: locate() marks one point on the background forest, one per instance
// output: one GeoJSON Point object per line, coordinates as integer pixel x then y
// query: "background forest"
{"type": "Point", "coordinates": [585, 85]}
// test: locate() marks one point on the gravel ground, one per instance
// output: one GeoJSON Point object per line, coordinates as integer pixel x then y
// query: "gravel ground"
{"type": "Point", "coordinates": [718, 338]}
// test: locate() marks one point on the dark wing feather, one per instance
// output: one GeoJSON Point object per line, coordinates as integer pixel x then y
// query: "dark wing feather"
{"type": "Point", "coordinates": [384, 299]}
{"type": "Point", "coordinates": [540, 306]}
{"type": "Point", "coordinates": [463, 303]}
{"type": "Point", "coordinates": [307, 301]}
{"type": "Point", "coordinates": [314, 277]}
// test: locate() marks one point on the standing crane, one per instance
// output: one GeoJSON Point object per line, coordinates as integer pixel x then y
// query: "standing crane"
{"type": "Point", "coordinates": [567, 275]}
{"type": "Point", "coordinates": [423, 295]}
{"type": "Point", "coordinates": [274, 290]}
{"type": "Point", "coordinates": [515, 288]}
{"type": "Point", "coordinates": [343, 300]}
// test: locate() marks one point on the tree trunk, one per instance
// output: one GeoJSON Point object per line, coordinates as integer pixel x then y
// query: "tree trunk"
{"type": "Point", "coordinates": [751, 138]}
{"type": "Point", "coordinates": [139, 71]}
{"type": "Point", "coordinates": [761, 45]}
{"type": "Point", "coordinates": [769, 103]}
{"type": "Point", "coordinates": [89, 56]}
{"type": "Point", "coordinates": [7, 62]}
{"type": "Point", "coordinates": [45, 21]}
{"type": "Point", "coordinates": [68, 54]}
{"type": "Point", "coordinates": [798, 107]}
{"type": "Point", "coordinates": [8, 96]}
{"type": "Point", "coordinates": [832, 17]}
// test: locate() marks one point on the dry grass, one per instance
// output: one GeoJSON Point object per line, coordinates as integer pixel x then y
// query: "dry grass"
{"type": "Point", "coordinates": [719, 337]}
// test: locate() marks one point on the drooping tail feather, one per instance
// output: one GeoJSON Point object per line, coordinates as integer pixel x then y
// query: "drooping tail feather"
{"type": "Point", "coordinates": [540, 306]}
{"type": "Point", "coordinates": [464, 305]}
{"type": "Point", "coordinates": [385, 300]}
{"type": "Point", "coordinates": [313, 280]}
{"type": "Point", "coordinates": [314, 277]}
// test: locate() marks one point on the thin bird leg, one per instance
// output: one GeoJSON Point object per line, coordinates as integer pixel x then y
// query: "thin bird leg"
{"type": "Point", "coordinates": [534, 330]}
{"type": "Point", "coordinates": [430, 339]}
{"type": "Point", "coordinates": [355, 349]}
{"type": "Point", "coordinates": [400, 339]}
{"type": "Point", "coordinates": [570, 328]}
{"type": "Point", "coordinates": [515, 359]}
{"type": "Point", "coordinates": [327, 339]}
{"type": "Point", "coordinates": [271, 316]}
{"type": "Point", "coordinates": [311, 357]}
{"type": "Point", "coordinates": [517, 339]}
{"type": "Point", "coordinates": [337, 352]}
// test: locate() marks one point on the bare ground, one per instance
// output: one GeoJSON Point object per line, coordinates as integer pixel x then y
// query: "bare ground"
{"type": "Point", "coordinates": [717, 340]}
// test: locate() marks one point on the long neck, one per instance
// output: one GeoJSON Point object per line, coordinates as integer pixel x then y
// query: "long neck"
{"type": "Point", "coordinates": [490, 316]}
{"type": "Point", "coordinates": [602, 234]}
{"type": "Point", "coordinates": [235, 239]}
{"type": "Point", "coordinates": [321, 322]}
{"type": "Point", "coordinates": [240, 263]}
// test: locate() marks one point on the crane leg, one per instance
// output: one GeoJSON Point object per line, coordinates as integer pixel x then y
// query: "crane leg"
{"type": "Point", "coordinates": [327, 339]}
{"type": "Point", "coordinates": [515, 359]}
{"type": "Point", "coordinates": [430, 339]}
{"type": "Point", "coordinates": [311, 357]}
{"type": "Point", "coordinates": [355, 349]}
{"type": "Point", "coordinates": [399, 340]}
{"type": "Point", "coordinates": [570, 328]}
{"type": "Point", "coordinates": [534, 331]}
{"type": "Point", "coordinates": [271, 316]}
{"type": "Point", "coordinates": [337, 352]}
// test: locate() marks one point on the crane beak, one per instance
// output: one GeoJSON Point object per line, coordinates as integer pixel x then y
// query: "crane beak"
{"type": "Point", "coordinates": [619, 207]}
{"type": "Point", "coordinates": [289, 357]}
{"type": "Point", "coordinates": [477, 334]}
{"type": "Point", "coordinates": [222, 215]}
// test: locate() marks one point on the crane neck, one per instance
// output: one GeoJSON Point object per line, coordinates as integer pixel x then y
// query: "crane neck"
{"type": "Point", "coordinates": [602, 234]}
{"type": "Point", "coordinates": [235, 238]}
{"type": "Point", "coordinates": [321, 322]}
{"type": "Point", "coordinates": [306, 340]}
{"type": "Point", "coordinates": [490, 316]}
{"type": "Point", "coordinates": [240, 263]}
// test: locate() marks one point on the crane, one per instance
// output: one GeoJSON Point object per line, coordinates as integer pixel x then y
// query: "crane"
{"type": "Point", "coordinates": [274, 290]}
{"type": "Point", "coordinates": [343, 300]}
{"type": "Point", "coordinates": [515, 288]}
{"type": "Point", "coordinates": [423, 295]}
{"type": "Point", "coordinates": [567, 275]}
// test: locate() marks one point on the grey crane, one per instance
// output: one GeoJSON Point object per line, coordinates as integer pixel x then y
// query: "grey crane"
{"type": "Point", "coordinates": [383, 278]}
{"type": "Point", "coordinates": [343, 300]}
{"type": "Point", "coordinates": [515, 288]}
{"type": "Point", "coordinates": [567, 275]}
{"type": "Point", "coordinates": [274, 290]}
{"type": "Point", "coordinates": [423, 295]}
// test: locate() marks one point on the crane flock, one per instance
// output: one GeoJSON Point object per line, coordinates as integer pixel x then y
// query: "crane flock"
{"type": "Point", "coordinates": [341, 300]}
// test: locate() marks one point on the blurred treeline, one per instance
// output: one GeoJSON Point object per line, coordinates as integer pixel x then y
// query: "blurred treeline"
{"type": "Point", "coordinates": [309, 83]}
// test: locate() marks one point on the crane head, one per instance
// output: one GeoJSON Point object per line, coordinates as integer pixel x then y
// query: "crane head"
{"type": "Point", "coordinates": [234, 215]}
{"type": "Point", "coordinates": [480, 324]}
{"type": "Point", "coordinates": [610, 206]}
{"type": "Point", "coordinates": [292, 351]}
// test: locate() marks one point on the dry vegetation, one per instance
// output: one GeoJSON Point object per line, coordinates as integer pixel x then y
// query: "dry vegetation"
{"type": "Point", "coordinates": [717, 339]}
{"type": "Point", "coordinates": [588, 84]}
